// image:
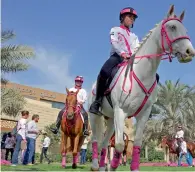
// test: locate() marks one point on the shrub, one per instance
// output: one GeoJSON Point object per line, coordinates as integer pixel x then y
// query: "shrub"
{"type": "Point", "coordinates": [153, 155]}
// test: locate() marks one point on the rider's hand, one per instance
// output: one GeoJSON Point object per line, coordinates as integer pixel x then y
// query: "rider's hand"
{"type": "Point", "coordinates": [125, 56]}
{"type": "Point", "coordinates": [79, 106]}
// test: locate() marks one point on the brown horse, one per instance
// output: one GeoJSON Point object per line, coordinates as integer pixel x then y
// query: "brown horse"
{"type": "Point", "coordinates": [173, 149]}
{"type": "Point", "coordinates": [72, 129]}
{"type": "Point", "coordinates": [112, 144]}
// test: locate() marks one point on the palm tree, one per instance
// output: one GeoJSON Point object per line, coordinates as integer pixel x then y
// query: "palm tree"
{"type": "Point", "coordinates": [13, 56]}
{"type": "Point", "coordinates": [189, 123]}
{"type": "Point", "coordinates": [12, 60]}
{"type": "Point", "coordinates": [175, 105]}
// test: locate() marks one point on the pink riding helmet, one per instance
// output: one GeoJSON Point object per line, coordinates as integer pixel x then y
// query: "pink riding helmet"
{"type": "Point", "coordinates": [79, 78]}
{"type": "Point", "coordinates": [127, 10]}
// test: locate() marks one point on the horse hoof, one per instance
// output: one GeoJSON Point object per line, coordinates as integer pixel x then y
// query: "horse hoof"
{"type": "Point", "coordinates": [113, 168]}
{"type": "Point", "coordinates": [94, 169]}
{"type": "Point", "coordinates": [102, 169]}
{"type": "Point", "coordinates": [74, 166]}
{"type": "Point", "coordinates": [107, 167]}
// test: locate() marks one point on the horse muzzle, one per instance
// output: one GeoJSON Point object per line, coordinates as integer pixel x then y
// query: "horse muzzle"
{"type": "Point", "coordinates": [186, 55]}
{"type": "Point", "coordinates": [70, 116]}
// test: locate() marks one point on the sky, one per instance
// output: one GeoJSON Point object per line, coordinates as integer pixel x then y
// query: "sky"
{"type": "Point", "coordinates": [71, 38]}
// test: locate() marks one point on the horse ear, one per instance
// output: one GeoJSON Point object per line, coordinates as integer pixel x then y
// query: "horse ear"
{"type": "Point", "coordinates": [170, 12]}
{"type": "Point", "coordinates": [181, 17]}
{"type": "Point", "coordinates": [67, 90]}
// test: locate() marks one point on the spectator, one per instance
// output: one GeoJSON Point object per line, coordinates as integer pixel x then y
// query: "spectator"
{"type": "Point", "coordinates": [84, 151]}
{"type": "Point", "coordinates": [184, 152]}
{"type": "Point", "coordinates": [32, 133]}
{"type": "Point", "coordinates": [9, 145]}
{"type": "Point", "coordinates": [22, 152]}
{"type": "Point", "coordinates": [20, 136]}
{"type": "Point", "coordinates": [46, 143]}
{"type": "Point", "coordinates": [3, 150]}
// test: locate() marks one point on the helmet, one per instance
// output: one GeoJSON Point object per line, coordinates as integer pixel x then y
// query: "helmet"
{"type": "Point", "coordinates": [79, 78]}
{"type": "Point", "coordinates": [179, 126]}
{"type": "Point", "coordinates": [127, 10]}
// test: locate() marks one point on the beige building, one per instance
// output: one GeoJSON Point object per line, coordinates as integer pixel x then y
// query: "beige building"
{"type": "Point", "coordinates": [45, 103]}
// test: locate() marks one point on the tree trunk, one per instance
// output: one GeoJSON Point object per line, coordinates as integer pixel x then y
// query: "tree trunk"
{"type": "Point", "coordinates": [167, 152]}
{"type": "Point", "coordinates": [146, 152]}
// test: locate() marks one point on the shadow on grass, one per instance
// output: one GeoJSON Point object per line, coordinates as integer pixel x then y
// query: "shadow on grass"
{"type": "Point", "coordinates": [78, 167]}
{"type": "Point", "coordinates": [23, 169]}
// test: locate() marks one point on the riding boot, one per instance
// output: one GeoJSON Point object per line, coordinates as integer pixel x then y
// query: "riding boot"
{"type": "Point", "coordinates": [100, 89]}
{"type": "Point", "coordinates": [157, 78]}
{"type": "Point", "coordinates": [85, 125]}
{"type": "Point", "coordinates": [58, 122]}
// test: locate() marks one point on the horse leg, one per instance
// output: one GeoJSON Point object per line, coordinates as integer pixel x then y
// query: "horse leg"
{"type": "Point", "coordinates": [124, 159]}
{"type": "Point", "coordinates": [119, 118]}
{"type": "Point", "coordinates": [142, 118]}
{"type": "Point", "coordinates": [63, 149]}
{"type": "Point", "coordinates": [75, 151]}
{"type": "Point", "coordinates": [109, 133]}
{"type": "Point", "coordinates": [96, 127]}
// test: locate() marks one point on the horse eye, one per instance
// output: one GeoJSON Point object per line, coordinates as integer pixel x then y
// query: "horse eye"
{"type": "Point", "coordinates": [173, 27]}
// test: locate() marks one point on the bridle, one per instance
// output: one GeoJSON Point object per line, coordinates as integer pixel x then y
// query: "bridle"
{"type": "Point", "coordinates": [74, 107]}
{"type": "Point", "coordinates": [76, 110]}
{"type": "Point", "coordinates": [165, 36]}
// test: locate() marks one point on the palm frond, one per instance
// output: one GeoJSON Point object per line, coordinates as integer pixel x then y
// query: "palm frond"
{"type": "Point", "coordinates": [6, 35]}
{"type": "Point", "coordinates": [14, 67]}
{"type": "Point", "coordinates": [175, 105]}
{"type": "Point", "coordinates": [16, 52]}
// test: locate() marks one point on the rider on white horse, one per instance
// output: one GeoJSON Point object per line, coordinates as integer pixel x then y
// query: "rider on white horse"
{"type": "Point", "coordinates": [81, 98]}
{"type": "Point", "coordinates": [120, 37]}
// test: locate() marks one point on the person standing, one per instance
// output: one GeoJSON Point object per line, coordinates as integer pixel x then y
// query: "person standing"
{"type": "Point", "coordinates": [184, 152]}
{"type": "Point", "coordinates": [32, 133]}
{"type": "Point", "coordinates": [83, 152]}
{"type": "Point", "coordinates": [46, 143]}
{"type": "Point", "coordinates": [3, 150]}
{"type": "Point", "coordinates": [9, 145]}
{"type": "Point", "coordinates": [20, 136]}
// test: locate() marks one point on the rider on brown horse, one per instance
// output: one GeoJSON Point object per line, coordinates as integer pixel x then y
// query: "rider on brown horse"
{"type": "Point", "coordinates": [179, 136]}
{"type": "Point", "coordinates": [81, 98]}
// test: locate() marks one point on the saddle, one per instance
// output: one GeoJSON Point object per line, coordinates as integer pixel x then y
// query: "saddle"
{"type": "Point", "coordinates": [109, 84]}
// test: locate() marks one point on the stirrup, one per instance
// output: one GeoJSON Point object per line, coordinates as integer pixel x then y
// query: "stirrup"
{"type": "Point", "coordinates": [86, 133]}
{"type": "Point", "coordinates": [54, 130]}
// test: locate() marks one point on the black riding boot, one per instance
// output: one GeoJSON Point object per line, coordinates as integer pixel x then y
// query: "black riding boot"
{"type": "Point", "coordinates": [157, 78]}
{"type": "Point", "coordinates": [58, 122]}
{"type": "Point", "coordinates": [100, 89]}
{"type": "Point", "coordinates": [85, 125]}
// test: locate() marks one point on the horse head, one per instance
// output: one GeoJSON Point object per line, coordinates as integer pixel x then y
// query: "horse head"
{"type": "Point", "coordinates": [71, 104]}
{"type": "Point", "coordinates": [174, 38]}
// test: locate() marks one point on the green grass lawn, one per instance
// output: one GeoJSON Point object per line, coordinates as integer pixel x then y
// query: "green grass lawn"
{"type": "Point", "coordinates": [57, 167]}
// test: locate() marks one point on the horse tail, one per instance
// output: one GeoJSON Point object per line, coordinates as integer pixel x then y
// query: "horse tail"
{"type": "Point", "coordinates": [100, 128]}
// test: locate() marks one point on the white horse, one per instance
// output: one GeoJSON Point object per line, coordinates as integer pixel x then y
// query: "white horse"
{"type": "Point", "coordinates": [135, 88]}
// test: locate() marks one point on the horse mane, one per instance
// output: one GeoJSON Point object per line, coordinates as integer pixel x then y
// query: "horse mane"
{"type": "Point", "coordinates": [143, 41]}
{"type": "Point", "coordinates": [71, 93]}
